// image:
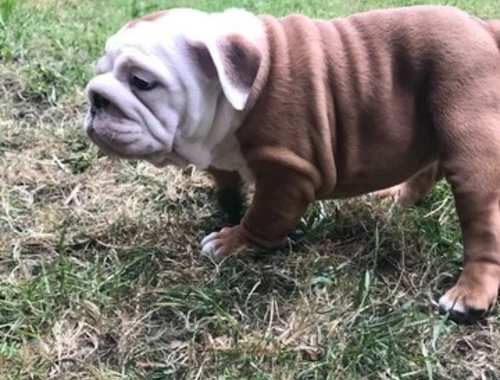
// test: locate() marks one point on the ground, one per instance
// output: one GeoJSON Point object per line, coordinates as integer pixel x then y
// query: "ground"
{"type": "Point", "coordinates": [101, 275]}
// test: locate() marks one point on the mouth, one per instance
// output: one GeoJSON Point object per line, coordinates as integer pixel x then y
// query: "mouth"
{"type": "Point", "coordinates": [114, 135]}
{"type": "Point", "coordinates": [171, 159]}
{"type": "Point", "coordinates": [158, 159]}
{"type": "Point", "coordinates": [104, 148]}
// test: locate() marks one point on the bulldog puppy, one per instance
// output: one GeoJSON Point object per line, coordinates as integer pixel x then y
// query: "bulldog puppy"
{"type": "Point", "coordinates": [315, 109]}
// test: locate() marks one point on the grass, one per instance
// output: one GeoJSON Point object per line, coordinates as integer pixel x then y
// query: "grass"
{"type": "Point", "coordinates": [100, 272]}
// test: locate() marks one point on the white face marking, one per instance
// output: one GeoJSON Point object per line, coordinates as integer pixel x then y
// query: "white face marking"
{"type": "Point", "coordinates": [150, 100]}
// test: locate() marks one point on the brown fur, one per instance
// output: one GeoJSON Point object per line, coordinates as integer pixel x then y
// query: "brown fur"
{"type": "Point", "coordinates": [351, 106]}
{"type": "Point", "coordinates": [147, 18]}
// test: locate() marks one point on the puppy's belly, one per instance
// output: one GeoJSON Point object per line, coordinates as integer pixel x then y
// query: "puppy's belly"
{"type": "Point", "coordinates": [365, 186]}
{"type": "Point", "coordinates": [380, 174]}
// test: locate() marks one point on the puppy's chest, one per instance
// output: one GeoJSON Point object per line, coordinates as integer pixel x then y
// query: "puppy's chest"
{"type": "Point", "coordinates": [227, 156]}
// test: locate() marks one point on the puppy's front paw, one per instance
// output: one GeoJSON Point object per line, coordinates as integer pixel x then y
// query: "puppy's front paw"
{"type": "Point", "coordinates": [466, 305]}
{"type": "Point", "coordinates": [224, 243]}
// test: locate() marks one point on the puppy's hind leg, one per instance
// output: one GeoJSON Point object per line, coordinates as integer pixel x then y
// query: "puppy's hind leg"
{"type": "Point", "coordinates": [415, 189]}
{"type": "Point", "coordinates": [471, 164]}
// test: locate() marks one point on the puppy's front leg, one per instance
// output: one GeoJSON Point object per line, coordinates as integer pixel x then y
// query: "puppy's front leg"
{"type": "Point", "coordinates": [229, 193]}
{"type": "Point", "coordinates": [281, 198]}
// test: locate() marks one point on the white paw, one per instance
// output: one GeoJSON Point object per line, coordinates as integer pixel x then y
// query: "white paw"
{"type": "Point", "coordinates": [448, 305]}
{"type": "Point", "coordinates": [209, 243]}
{"type": "Point", "coordinates": [221, 244]}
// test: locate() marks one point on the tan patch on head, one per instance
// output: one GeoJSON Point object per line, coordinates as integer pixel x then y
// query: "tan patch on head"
{"type": "Point", "coordinates": [147, 18]}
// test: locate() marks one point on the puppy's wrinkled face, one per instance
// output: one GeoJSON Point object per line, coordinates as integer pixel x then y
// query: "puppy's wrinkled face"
{"type": "Point", "coordinates": [143, 89]}
{"type": "Point", "coordinates": [125, 117]}
{"type": "Point", "coordinates": [158, 86]}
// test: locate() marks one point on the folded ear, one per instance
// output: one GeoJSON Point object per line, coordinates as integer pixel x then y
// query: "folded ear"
{"type": "Point", "coordinates": [234, 60]}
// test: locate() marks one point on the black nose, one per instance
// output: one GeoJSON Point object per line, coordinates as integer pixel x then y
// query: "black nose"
{"type": "Point", "coordinates": [99, 102]}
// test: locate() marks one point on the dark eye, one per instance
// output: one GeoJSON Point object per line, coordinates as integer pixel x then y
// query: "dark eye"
{"type": "Point", "coordinates": [142, 84]}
